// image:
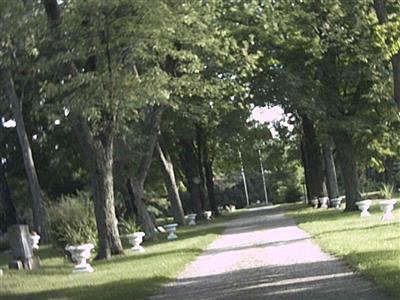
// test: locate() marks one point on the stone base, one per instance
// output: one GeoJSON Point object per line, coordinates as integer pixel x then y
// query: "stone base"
{"type": "Point", "coordinates": [137, 249]}
{"type": "Point", "coordinates": [365, 214]}
{"type": "Point", "coordinates": [86, 268]}
{"type": "Point", "coordinates": [387, 217]}
{"type": "Point", "coordinates": [172, 236]}
{"type": "Point", "coordinates": [27, 264]}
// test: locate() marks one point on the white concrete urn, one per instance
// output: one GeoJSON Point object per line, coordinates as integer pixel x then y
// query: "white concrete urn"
{"type": "Point", "coordinates": [191, 219]}
{"type": "Point", "coordinates": [171, 229]}
{"type": "Point", "coordinates": [336, 202]}
{"type": "Point", "coordinates": [80, 254]}
{"type": "Point", "coordinates": [364, 206]}
{"type": "Point", "coordinates": [35, 241]}
{"type": "Point", "coordinates": [207, 214]}
{"type": "Point", "coordinates": [135, 239]}
{"type": "Point", "coordinates": [324, 202]}
{"type": "Point", "coordinates": [387, 208]}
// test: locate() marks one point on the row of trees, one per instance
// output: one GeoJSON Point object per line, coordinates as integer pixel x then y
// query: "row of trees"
{"type": "Point", "coordinates": [133, 98]}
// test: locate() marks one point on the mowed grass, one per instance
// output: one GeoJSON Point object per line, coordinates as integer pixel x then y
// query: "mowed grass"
{"type": "Point", "coordinates": [368, 245]}
{"type": "Point", "coordinates": [132, 276]}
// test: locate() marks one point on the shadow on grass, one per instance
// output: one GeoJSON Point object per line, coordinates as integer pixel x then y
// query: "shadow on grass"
{"type": "Point", "coordinates": [121, 290]}
{"type": "Point", "coordinates": [123, 259]}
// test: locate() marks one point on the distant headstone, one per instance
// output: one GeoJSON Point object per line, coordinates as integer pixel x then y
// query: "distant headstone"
{"type": "Point", "coordinates": [21, 248]}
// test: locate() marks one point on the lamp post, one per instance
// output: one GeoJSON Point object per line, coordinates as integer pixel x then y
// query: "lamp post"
{"type": "Point", "coordinates": [244, 179]}
{"type": "Point", "coordinates": [263, 177]}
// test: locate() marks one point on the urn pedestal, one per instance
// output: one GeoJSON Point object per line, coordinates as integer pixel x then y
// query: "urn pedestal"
{"type": "Point", "coordinates": [80, 254]}
{"type": "Point", "coordinates": [364, 206]}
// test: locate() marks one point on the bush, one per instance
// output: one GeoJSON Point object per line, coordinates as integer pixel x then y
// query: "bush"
{"type": "Point", "coordinates": [128, 226]}
{"type": "Point", "coordinates": [387, 191]}
{"type": "Point", "coordinates": [72, 221]}
{"type": "Point", "coordinates": [4, 244]}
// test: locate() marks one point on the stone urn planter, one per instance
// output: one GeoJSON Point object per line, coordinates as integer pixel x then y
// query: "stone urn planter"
{"type": "Point", "coordinates": [80, 254]}
{"type": "Point", "coordinates": [324, 201]}
{"type": "Point", "coordinates": [207, 214]}
{"type": "Point", "coordinates": [335, 202]}
{"type": "Point", "coordinates": [135, 239]}
{"type": "Point", "coordinates": [35, 240]}
{"type": "Point", "coordinates": [314, 202]}
{"type": "Point", "coordinates": [171, 230]}
{"type": "Point", "coordinates": [364, 206]}
{"type": "Point", "coordinates": [191, 219]}
{"type": "Point", "coordinates": [387, 208]}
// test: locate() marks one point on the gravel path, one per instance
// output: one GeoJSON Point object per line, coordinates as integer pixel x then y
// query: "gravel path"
{"type": "Point", "coordinates": [264, 255]}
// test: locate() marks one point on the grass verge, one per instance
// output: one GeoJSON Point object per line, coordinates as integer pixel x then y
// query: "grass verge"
{"type": "Point", "coordinates": [368, 245]}
{"type": "Point", "coordinates": [132, 276]}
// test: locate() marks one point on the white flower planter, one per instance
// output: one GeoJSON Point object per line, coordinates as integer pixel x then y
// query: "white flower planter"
{"type": "Point", "coordinates": [191, 219]}
{"type": "Point", "coordinates": [135, 239]}
{"type": "Point", "coordinates": [79, 255]}
{"type": "Point", "coordinates": [335, 202]}
{"type": "Point", "coordinates": [387, 208]}
{"type": "Point", "coordinates": [171, 229]}
{"type": "Point", "coordinates": [364, 206]}
{"type": "Point", "coordinates": [35, 241]}
{"type": "Point", "coordinates": [207, 214]}
{"type": "Point", "coordinates": [324, 202]}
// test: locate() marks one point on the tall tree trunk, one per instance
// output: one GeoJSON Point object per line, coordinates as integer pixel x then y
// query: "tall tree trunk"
{"type": "Point", "coordinates": [138, 180]}
{"type": "Point", "coordinates": [5, 199]}
{"type": "Point", "coordinates": [191, 170]}
{"type": "Point", "coordinates": [99, 155]}
{"type": "Point", "coordinates": [170, 182]}
{"type": "Point", "coordinates": [382, 14]}
{"type": "Point", "coordinates": [99, 150]}
{"type": "Point", "coordinates": [132, 210]}
{"type": "Point", "coordinates": [330, 171]}
{"type": "Point", "coordinates": [208, 167]}
{"type": "Point", "coordinates": [37, 201]}
{"type": "Point", "coordinates": [201, 144]}
{"type": "Point", "coordinates": [306, 170]}
{"type": "Point", "coordinates": [314, 160]}
{"type": "Point", "coordinates": [143, 216]}
{"type": "Point", "coordinates": [347, 162]}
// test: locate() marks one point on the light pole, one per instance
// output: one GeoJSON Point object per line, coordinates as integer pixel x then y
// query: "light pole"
{"type": "Point", "coordinates": [244, 179]}
{"type": "Point", "coordinates": [263, 177]}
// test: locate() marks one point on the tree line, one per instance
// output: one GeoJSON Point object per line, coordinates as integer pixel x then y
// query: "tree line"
{"type": "Point", "coordinates": [127, 97]}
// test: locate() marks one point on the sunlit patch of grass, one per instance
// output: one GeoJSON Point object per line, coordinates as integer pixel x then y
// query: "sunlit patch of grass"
{"type": "Point", "coordinates": [370, 246]}
{"type": "Point", "coordinates": [132, 276]}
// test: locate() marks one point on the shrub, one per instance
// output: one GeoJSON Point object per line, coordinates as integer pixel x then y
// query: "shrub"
{"type": "Point", "coordinates": [387, 191]}
{"type": "Point", "coordinates": [4, 244]}
{"type": "Point", "coordinates": [72, 220]}
{"type": "Point", "coordinates": [128, 226]}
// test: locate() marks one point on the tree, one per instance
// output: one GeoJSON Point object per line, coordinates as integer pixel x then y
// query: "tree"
{"type": "Point", "coordinates": [170, 182]}
{"type": "Point", "coordinates": [388, 31]}
{"type": "Point", "coordinates": [14, 46]}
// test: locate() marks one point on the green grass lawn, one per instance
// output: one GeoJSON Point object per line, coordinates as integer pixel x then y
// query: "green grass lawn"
{"type": "Point", "coordinates": [368, 245]}
{"type": "Point", "coordinates": [132, 276]}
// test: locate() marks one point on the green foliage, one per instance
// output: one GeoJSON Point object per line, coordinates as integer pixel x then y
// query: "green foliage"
{"type": "Point", "coordinates": [387, 191]}
{"type": "Point", "coordinates": [4, 245]}
{"type": "Point", "coordinates": [128, 226]}
{"type": "Point", "coordinates": [72, 221]}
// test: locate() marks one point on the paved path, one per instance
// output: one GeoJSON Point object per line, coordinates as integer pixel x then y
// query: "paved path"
{"type": "Point", "coordinates": [264, 255]}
